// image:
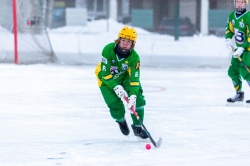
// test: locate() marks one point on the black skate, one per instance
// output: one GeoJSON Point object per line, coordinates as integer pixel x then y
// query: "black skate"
{"type": "Point", "coordinates": [248, 103]}
{"type": "Point", "coordinates": [139, 132]}
{"type": "Point", "coordinates": [237, 99]}
{"type": "Point", "coordinates": [123, 127]}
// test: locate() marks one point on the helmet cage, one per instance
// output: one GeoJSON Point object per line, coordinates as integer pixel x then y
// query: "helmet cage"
{"type": "Point", "coordinates": [241, 9]}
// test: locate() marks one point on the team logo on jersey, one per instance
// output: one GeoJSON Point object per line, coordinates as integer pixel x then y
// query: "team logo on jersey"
{"type": "Point", "coordinates": [114, 70]}
{"type": "Point", "coordinates": [104, 60]}
{"type": "Point", "coordinates": [124, 66]}
{"type": "Point", "coordinates": [242, 24]}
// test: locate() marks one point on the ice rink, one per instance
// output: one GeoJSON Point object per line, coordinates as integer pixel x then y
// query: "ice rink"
{"type": "Point", "coordinates": [55, 115]}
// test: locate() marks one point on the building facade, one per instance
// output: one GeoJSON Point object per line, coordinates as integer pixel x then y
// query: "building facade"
{"type": "Point", "coordinates": [153, 10]}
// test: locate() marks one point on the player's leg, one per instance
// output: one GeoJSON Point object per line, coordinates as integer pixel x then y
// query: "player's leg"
{"type": "Point", "coordinates": [234, 74]}
{"type": "Point", "coordinates": [116, 108]}
{"type": "Point", "coordinates": [136, 126]}
{"type": "Point", "coordinates": [244, 73]}
{"type": "Point", "coordinates": [140, 103]}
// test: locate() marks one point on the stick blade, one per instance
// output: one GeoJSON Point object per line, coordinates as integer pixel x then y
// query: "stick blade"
{"type": "Point", "coordinates": [158, 143]}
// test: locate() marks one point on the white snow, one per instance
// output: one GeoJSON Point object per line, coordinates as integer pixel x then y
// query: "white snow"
{"type": "Point", "coordinates": [53, 114]}
{"type": "Point", "coordinates": [83, 45]}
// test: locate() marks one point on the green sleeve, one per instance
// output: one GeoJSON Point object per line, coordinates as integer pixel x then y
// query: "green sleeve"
{"type": "Point", "coordinates": [229, 27]}
{"type": "Point", "coordinates": [134, 74]}
{"type": "Point", "coordinates": [246, 44]}
{"type": "Point", "coordinates": [106, 76]}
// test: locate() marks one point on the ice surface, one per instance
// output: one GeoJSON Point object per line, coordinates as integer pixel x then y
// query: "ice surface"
{"type": "Point", "coordinates": [55, 115]}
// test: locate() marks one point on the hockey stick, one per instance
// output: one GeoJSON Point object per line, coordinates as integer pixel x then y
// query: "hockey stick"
{"type": "Point", "coordinates": [241, 61]}
{"type": "Point", "coordinates": [156, 144]}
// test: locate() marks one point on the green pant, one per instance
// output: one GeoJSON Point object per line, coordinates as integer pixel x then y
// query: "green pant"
{"type": "Point", "coordinates": [237, 71]}
{"type": "Point", "coordinates": [116, 106]}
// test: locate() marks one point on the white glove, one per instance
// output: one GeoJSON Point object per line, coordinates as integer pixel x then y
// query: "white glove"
{"type": "Point", "coordinates": [238, 52]}
{"type": "Point", "coordinates": [132, 101]}
{"type": "Point", "coordinates": [229, 44]}
{"type": "Point", "coordinates": [120, 92]}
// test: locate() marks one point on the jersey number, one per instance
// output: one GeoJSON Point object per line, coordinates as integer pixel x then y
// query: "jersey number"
{"type": "Point", "coordinates": [239, 36]}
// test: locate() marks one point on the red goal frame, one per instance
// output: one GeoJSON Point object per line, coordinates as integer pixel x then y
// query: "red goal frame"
{"type": "Point", "coordinates": [15, 31]}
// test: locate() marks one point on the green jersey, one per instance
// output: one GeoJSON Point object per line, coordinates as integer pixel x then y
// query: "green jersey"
{"type": "Point", "coordinates": [112, 69]}
{"type": "Point", "coordinates": [239, 28]}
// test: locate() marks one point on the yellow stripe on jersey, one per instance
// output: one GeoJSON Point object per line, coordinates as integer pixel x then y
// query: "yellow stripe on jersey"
{"type": "Point", "coordinates": [99, 82]}
{"type": "Point", "coordinates": [108, 77]}
{"type": "Point", "coordinates": [129, 71]}
{"type": "Point", "coordinates": [134, 83]}
{"type": "Point", "coordinates": [231, 27]}
{"type": "Point", "coordinates": [97, 70]}
{"type": "Point", "coordinates": [248, 39]}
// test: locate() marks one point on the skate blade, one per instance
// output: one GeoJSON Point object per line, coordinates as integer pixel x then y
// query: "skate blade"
{"type": "Point", "coordinates": [237, 103]}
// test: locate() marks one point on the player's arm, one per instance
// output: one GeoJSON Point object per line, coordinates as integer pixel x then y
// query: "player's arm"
{"type": "Point", "coordinates": [229, 28]}
{"type": "Point", "coordinates": [248, 39]}
{"type": "Point", "coordinates": [134, 73]}
{"type": "Point", "coordinates": [106, 76]}
{"type": "Point", "coordinates": [229, 34]}
{"type": "Point", "coordinates": [134, 77]}
{"type": "Point", "coordinates": [247, 43]}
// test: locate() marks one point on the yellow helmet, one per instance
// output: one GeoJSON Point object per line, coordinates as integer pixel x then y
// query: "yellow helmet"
{"type": "Point", "coordinates": [128, 33]}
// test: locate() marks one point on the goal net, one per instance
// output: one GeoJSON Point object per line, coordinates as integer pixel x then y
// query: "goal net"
{"type": "Point", "coordinates": [33, 43]}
